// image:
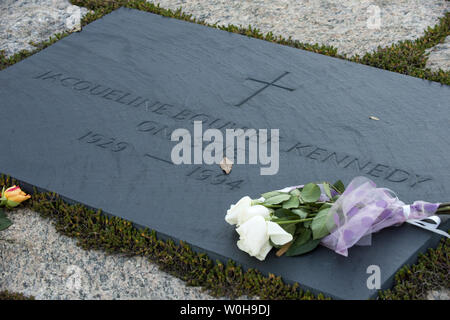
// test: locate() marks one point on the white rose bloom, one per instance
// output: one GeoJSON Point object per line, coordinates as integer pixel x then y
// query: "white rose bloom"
{"type": "Point", "coordinates": [264, 251]}
{"type": "Point", "coordinates": [253, 211]}
{"type": "Point", "coordinates": [243, 211]}
{"type": "Point", "coordinates": [277, 234]}
{"type": "Point", "coordinates": [237, 210]}
{"type": "Point", "coordinates": [254, 235]}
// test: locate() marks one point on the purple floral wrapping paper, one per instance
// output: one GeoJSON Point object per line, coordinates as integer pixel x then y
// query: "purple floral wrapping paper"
{"type": "Point", "coordinates": [364, 209]}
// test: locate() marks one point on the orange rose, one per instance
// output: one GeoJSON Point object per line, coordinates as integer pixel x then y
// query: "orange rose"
{"type": "Point", "coordinates": [13, 196]}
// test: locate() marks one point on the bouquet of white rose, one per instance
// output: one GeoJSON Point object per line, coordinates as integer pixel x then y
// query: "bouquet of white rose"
{"type": "Point", "coordinates": [297, 219]}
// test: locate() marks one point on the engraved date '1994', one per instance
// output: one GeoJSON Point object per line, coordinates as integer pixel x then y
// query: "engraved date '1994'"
{"type": "Point", "coordinates": [198, 173]}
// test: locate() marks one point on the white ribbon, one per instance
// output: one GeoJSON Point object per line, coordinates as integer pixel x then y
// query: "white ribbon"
{"type": "Point", "coordinates": [430, 226]}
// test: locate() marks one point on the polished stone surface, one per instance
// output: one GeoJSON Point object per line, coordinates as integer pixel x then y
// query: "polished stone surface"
{"type": "Point", "coordinates": [91, 116]}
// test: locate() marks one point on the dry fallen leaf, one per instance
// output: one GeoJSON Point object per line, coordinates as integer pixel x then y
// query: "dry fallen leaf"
{"type": "Point", "coordinates": [374, 118]}
{"type": "Point", "coordinates": [226, 165]}
{"type": "Point", "coordinates": [283, 249]}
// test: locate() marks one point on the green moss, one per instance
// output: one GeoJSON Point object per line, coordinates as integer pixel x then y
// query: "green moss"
{"type": "Point", "coordinates": [406, 57]}
{"type": "Point", "coordinates": [6, 62]}
{"type": "Point", "coordinates": [94, 230]}
{"type": "Point", "coordinates": [97, 231]}
{"type": "Point", "coordinates": [6, 295]}
{"type": "Point", "coordinates": [431, 272]}
{"type": "Point", "coordinates": [102, 7]}
{"type": "Point", "coordinates": [409, 57]}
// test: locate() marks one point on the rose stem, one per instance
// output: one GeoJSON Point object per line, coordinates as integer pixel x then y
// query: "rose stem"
{"type": "Point", "coordinates": [443, 210]}
{"type": "Point", "coordinates": [293, 221]}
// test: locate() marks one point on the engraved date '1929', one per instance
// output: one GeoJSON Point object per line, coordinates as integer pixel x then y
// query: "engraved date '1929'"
{"type": "Point", "coordinates": [103, 142]}
{"type": "Point", "coordinates": [198, 173]}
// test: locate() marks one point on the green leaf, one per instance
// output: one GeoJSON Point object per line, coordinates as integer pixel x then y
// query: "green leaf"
{"type": "Point", "coordinates": [339, 186]}
{"type": "Point", "coordinates": [11, 204]}
{"type": "Point", "coordinates": [270, 194]}
{"type": "Point", "coordinates": [4, 221]}
{"type": "Point", "coordinates": [302, 244]}
{"type": "Point", "coordinates": [295, 192]}
{"type": "Point", "coordinates": [300, 229]}
{"type": "Point", "coordinates": [326, 188]}
{"type": "Point", "coordinates": [303, 236]}
{"type": "Point", "coordinates": [307, 224]}
{"type": "Point", "coordinates": [319, 224]}
{"type": "Point", "coordinates": [293, 202]}
{"type": "Point", "coordinates": [289, 228]}
{"type": "Point", "coordinates": [304, 248]}
{"type": "Point", "coordinates": [285, 214]}
{"type": "Point", "coordinates": [277, 199]}
{"type": "Point", "coordinates": [300, 212]}
{"type": "Point", "coordinates": [325, 206]}
{"type": "Point", "coordinates": [311, 192]}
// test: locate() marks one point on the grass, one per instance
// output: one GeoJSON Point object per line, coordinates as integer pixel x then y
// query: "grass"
{"type": "Point", "coordinates": [431, 272]}
{"type": "Point", "coordinates": [7, 295]}
{"type": "Point", "coordinates": [407, 57]}
{"type": "Point", "coordinates": [94, 230]}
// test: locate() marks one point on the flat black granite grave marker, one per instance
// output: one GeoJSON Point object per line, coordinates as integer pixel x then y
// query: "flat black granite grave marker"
{"type": "Point", "coordinates": [91, 116]}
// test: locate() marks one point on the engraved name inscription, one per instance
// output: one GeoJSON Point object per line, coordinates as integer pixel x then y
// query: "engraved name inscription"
{"type": "Point", "coordinates": [93, 89]}
{"type": "Point", "coordinates": [346, 161]}
{"type": "Point", "coordinates": [177, 113]}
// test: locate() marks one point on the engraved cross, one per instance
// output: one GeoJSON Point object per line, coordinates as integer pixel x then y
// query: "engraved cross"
{"type": "Point", "coordinates": [267, 84]}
